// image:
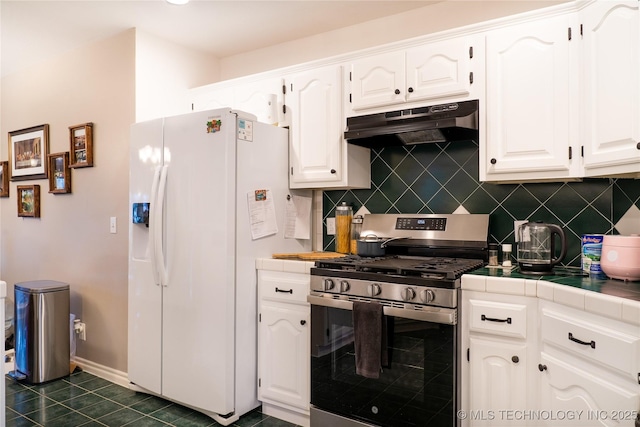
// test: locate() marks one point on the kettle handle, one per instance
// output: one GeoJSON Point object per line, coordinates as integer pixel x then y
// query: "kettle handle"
{"type": "Point", "coordinates": [563, 242]}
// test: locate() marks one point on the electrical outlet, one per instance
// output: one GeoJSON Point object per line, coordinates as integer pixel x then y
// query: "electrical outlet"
{"type": "Point", "coordinates": [331, 226]}
{"type": "Point", "coordinates": [113, 226]}
{"type": "Point", "coordinates": [81, 330]}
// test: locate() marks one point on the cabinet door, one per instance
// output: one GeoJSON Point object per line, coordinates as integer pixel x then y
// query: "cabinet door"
{"type": "Point", "coordinates": [211, 98]}
{"type": "Point", "coordinates": [437, 70]}
{"type": "Point", "coordinates": [263, 98]}
{"type": "Point", "coordinates": [316, 154]}
{"type": "Point", "coordinates": [497, 380]}
{"type": "Point", "coordinates": [530, 84]}
{"type": "Point", "coordinates": [284, 355]}
{"type": "Point", "coordinates": [611, 52]}
{"type": "Point", "coordinates": [377, 81]}
{"type": "Point", "coordinates": [593, 398]}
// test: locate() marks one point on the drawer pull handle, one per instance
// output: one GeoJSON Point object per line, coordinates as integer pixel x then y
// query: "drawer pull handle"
{"type": "Point", "coordinates": [490, 319]}
{"type": "Point", "coordinates": [290, 291]}
{"type": "Point", "coordinates": [591, 344]}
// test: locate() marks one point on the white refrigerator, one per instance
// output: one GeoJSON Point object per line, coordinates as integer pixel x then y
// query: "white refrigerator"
{"type": "Point", "coordinates": [207, 192]}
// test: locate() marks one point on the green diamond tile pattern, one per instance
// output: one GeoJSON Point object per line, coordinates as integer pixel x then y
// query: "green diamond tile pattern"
{"type": "Point", "coordinates": [82, 399]}
{"type": "Point", "coordinates": [438, 178]}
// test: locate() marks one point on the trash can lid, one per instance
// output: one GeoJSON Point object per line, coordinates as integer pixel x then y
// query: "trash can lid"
{"type": "Point", "coordinates": [40, 286]}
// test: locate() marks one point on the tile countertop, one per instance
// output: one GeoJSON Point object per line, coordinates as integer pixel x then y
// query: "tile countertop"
{"type": "Point", "coordinates": [608, 297]}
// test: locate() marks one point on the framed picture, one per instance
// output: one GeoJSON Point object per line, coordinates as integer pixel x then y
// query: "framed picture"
{"type": "Point", "coordinates": [81, 145]}
{"type": "Point", "coordinates": [59, 173]}
{"type": "Point", "coordinates": [4, 179]}
{"type": "Point", "coordinates": [29, 201]}
{"type": "Point", "coordinates": [28, 149]}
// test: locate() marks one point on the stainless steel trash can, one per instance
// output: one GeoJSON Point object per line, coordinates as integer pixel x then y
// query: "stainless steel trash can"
{"type": "Point", "coordinates": [41, 330]}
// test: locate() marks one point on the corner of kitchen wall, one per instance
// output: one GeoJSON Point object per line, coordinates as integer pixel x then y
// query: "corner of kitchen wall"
{"type": "Point", "coordinates": [165, 71]}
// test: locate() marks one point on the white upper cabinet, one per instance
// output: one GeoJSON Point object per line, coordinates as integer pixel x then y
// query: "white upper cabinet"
{"type": "Point", "coordinates": [263, 98]}
{"type": "Point", "coordinates": [611, 88]}
{"type": "Point", "coordinates": [378, 81]}
{"type": "Point", "coordinates": [318, 155]}
{"type": "Point", "coordinates": [530, 120]}
{"type": "Point", "coordinates": [212, 97]}
{"type": "Point", "coordinates": [445, 69]}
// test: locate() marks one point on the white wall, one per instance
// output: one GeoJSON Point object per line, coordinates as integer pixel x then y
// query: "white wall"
{"type": "Point", "coordinates": [418, 22]}
{"type": "Point", "coordinates": [71, 242]}
{"type": "Point", "coordinates": [164, 71]}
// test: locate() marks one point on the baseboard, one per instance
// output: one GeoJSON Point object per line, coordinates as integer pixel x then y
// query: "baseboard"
{"type": "Point", "coordinates": [104, 372]}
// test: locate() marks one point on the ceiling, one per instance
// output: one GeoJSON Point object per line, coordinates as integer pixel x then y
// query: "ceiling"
{"type": "Point", "coordinates": [33, 31]}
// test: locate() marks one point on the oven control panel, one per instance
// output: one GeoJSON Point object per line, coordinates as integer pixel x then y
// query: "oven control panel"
{"type": "Point", "coordinates": [404, 223]}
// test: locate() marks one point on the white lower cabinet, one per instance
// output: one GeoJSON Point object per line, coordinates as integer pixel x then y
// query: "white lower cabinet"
{"type": "Point", "coordinates": [499, 373]}
{"type": "Point", "coordinates": [283, 345]}
{"type": "Point", "coordinates": [534, 362]}
{"type": "Point", "coordinates": [589, 368]}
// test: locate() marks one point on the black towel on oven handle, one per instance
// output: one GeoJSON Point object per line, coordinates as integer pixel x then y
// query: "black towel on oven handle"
{"type": "Point", "coordinates": [369, 338]}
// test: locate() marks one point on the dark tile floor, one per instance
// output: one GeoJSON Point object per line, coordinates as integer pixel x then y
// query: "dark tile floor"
{"type": "Point", "coordinates": [82, 399]}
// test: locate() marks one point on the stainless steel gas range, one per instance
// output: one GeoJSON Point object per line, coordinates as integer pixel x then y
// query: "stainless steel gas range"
{"type": "Point", "coordinates": [417, 283]}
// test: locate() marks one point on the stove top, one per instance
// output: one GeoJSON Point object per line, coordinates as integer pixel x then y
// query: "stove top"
{"type": "Point", "coordinates": [422, 265]}
{"type": "Point", "coordinates": [443, 268]}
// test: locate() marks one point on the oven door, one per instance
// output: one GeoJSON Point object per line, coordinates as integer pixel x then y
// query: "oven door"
{"type": "Point", "coordinates": [417, 388]}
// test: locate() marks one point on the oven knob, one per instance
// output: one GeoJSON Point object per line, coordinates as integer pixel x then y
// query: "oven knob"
{"type": "Point", "coordinates": [344, 286]}
{"type": "Point", "coordinates": [408, 294]}
{"type": "Point", "coordinates": [374, 289]}
{"type": "Point", "coordinates": [328, 284]}
{"type": "Point", "coordinates": [427, 296]}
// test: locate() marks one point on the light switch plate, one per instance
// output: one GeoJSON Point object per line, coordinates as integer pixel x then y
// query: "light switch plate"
{"type": "Point", "coordinates": [331, 226]}
{"type": "Point", "coordinates": [516, 225]}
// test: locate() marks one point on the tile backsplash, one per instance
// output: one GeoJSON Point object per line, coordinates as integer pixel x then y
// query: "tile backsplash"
{"type": "Point", "coordinates": [442, 178]}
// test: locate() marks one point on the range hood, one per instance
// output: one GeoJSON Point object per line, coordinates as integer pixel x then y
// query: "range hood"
{"type": "Point", "coordinates": [455, 121]}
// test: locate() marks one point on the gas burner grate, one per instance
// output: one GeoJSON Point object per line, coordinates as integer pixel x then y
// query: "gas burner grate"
{"type": "Point", "coordinates": [424, 267]}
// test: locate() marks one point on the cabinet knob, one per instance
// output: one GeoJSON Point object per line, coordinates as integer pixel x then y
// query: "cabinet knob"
{"type": "Point", "coordinates": [333, 171]}
{"type": "Point", "coordinates": [410, 90]}
{"type": "Point", "coordinates": [397, 91]}
{"type": "Point", "coordinates": [515, 359]}
{"type": "Point", "coordinates": [303, 322]}
{"type": "Point", "coordinates": [638, 145]}
{"type": "Point", "coordinates": [542, 367]}
{"type": "Point", "coordinates": [494, 161]}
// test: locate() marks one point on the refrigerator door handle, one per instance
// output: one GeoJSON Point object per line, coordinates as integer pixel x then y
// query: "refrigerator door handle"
{"type": "Point", "coordinates": [153, 224]}
{"type": "Point", "coordinates": [159, 238]}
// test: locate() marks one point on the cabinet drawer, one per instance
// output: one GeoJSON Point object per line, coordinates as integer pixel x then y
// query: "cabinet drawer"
{"type": "Point", "coordinates": [498, 318]}
{"type": "Point", "coordinates": [282, 286]}
{"type": "Point", "coordinates": [592, 340]}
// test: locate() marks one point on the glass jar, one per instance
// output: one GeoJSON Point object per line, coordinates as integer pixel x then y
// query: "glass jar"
{"type": "Point", "coordinates": [356, 227]}
{"type": "Point", "coordinates": [344, 216]}
{"type": "Point", "coordinates": [506, 255]}
{"type": "Point", "coordinates": [493, 254]}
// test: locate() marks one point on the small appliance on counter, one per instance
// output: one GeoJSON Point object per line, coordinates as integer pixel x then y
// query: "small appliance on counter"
{"type": "Point", "coordinates": [537, 247]}
{"type": "Point", "coordinates": [620, 257]}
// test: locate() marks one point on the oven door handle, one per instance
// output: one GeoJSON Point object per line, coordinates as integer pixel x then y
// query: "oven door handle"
{"type": "Point", "coordinates": [447, 316]}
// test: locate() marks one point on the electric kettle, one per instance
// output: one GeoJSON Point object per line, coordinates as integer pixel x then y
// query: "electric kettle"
{"type": "Point", "coordinates": [537, 247]}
